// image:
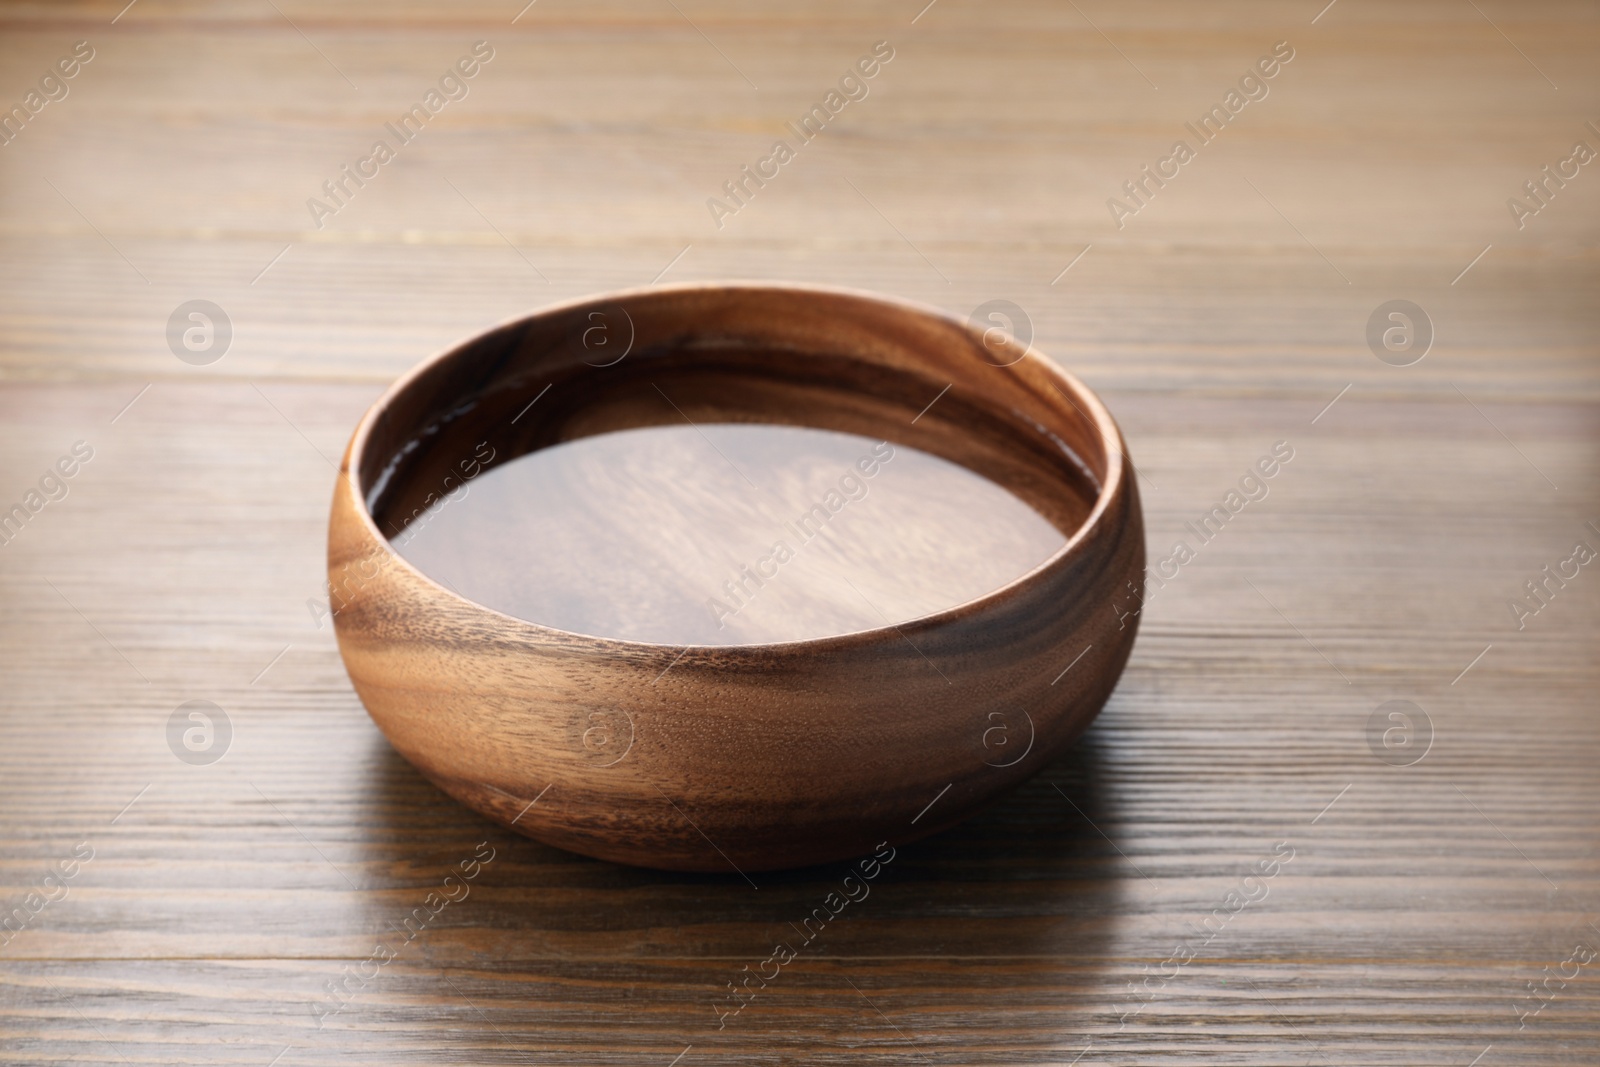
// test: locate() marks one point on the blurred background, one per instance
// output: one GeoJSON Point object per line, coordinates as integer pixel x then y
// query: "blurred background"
{"type": "Point", "coordinates": [1426, 160]}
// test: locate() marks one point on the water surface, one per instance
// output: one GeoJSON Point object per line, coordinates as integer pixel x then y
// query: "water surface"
{"type": "Point", "coordinates": [726, 533]}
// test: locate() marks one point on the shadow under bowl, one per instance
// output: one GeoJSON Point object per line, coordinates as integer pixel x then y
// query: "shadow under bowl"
{"type": "Point", "coordinates": [755, 756]}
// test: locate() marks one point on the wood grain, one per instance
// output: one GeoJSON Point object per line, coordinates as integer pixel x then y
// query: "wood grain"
{"type": "Point", "coordinates": [750, 756]}
{"type": "Point", "coordinates": [1416, 910]}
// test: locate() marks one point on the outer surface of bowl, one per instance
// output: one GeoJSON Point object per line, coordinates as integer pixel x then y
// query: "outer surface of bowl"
{"type": "Point", "coordinates": [760, 756]}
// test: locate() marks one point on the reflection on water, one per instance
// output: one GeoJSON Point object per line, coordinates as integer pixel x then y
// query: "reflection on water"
{"type": "Point", "coordinates": [727, 534]}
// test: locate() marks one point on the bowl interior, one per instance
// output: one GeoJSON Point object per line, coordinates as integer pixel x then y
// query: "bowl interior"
{"type": "Point", "coordinates": [702, 357]}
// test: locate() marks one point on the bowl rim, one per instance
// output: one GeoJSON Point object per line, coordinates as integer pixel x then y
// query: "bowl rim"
{"type": "Point", "coordinates": [1111, 487]}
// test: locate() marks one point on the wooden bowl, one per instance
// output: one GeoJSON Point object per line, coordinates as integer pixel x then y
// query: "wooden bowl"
{"type": "Point", "coordinates": [743, 757]}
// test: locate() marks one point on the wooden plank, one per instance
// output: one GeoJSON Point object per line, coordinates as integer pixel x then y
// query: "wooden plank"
{"type": "Point", "coordinates": [1421, 900]}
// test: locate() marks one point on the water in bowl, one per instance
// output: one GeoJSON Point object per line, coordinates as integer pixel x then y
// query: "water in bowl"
{"type": "Point", "coordinates": [726, 534]}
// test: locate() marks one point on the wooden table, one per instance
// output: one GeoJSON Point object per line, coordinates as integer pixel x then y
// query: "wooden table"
{"type": "Point", "coordinates": [1441, 912]}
